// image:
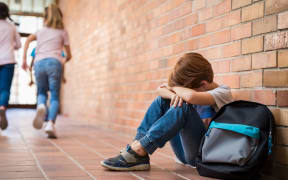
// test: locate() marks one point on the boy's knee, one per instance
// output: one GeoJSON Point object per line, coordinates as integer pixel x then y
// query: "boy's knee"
{"type": "Point", "coordinates": [160, 100]}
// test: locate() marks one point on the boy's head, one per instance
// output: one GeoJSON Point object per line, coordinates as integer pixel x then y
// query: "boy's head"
{"type": "Point", "coordinates": [192, 71]}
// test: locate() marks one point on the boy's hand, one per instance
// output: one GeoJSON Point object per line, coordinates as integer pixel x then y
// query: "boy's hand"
{"type": "Point", "coordinates": [176, 101]}
{"type": "Point", "coordinates": [165, 85]}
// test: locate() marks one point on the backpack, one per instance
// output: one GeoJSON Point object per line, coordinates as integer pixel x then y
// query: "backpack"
{"type": "Point", "coordinates": [237, 142]}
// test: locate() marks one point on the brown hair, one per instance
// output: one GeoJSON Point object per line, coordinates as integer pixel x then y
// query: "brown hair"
{"type": "Point", "coordinates": [190, 70]}
{"type": "Point", "coordinates": [53, 17]}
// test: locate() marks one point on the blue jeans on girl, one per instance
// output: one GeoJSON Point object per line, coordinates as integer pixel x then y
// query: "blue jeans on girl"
{"type": "Point", "coordinates": [48, 73]}
{"type": "Point", "coordinates": [6, 76]}
{"type": "Point", "coordinates": [182, 126]}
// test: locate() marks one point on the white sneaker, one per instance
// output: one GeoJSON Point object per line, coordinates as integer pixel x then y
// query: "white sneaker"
{"type": "Point", "coordinates": [45, 124]}
{"type": "Point", "coordinates": [40, 115]}
{"type": "Point", "coordinates": [50, 130]}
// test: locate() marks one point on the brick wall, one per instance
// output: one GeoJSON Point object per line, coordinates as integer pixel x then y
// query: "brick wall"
{"type": "Point", "coordinates": [123, 49]}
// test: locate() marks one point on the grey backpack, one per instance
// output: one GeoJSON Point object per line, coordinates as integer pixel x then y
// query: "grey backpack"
{"type": "Point", "coordinates": [237, 142]}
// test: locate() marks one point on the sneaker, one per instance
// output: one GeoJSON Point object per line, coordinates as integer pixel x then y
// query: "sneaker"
{"type": "Point", "coordinates": [3, 119]}
{"type": "Point", "coordinates": [50, 130]}
{"type": "Point", "coordinates": [45, 124]}
{"type": "Point", "coordinates": [128, 160]}
{"type": "Point", "coordinates": [40, 115]}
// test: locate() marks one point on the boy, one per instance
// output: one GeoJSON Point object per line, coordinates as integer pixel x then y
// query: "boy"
{"type": "Point", "coordinates": [173, 115]}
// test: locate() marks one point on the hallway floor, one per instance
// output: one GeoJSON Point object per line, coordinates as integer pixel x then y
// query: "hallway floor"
{"type": "Point", "coordinates": [26, 153]}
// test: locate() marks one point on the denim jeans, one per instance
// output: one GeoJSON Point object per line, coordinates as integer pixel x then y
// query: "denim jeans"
{"type": "Point", "coordinates": [182, 126]}
{"type": "Point", "coordinates": [6, 76]}
{"type": "Point", "coordinates": [48, 73]}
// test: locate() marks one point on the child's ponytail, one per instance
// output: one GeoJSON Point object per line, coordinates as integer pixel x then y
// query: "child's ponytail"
{"type": "Point", "coordinates": [4, 13]}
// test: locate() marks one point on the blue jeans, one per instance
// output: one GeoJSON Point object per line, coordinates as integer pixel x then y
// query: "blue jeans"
{"type": "Point", "coordinates": [182, 126]}
{"type": "Point", "coordinates": [6, 76]}
{"type": "Point", "coordinates": [48, 73]}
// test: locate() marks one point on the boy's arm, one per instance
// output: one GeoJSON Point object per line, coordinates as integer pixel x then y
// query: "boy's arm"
{"type": "Point", "coordinates": [167, 93]}
{"type": "Point", "coordinates": [194, 97]}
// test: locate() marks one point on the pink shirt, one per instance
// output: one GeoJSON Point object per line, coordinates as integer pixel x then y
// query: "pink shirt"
{"type": "Point", "coordinates": [50, 43]}
{"type": "Point", "coordinates": [9, 41]}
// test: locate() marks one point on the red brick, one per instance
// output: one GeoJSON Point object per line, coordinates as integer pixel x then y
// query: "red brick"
{"type": "Point", "coordinates": [240, 3]}
{"type": "Point", "coordinates": [251, 45]}
{"type": "Point", "coordinates": [264, 25]}
{"type": "Point", "coordinates": [232, 18]}
{"type": "Point", "coordinates": [282, 20]}
{"type": "Point", "coordinates": [231, 50]}
{"type": "Point", "coordinates": [191, 19]}
{"type": "Point", "coordinates": [225, 21]}
{"type": "Point", "coordinates": [231, 80]}
{"type": "Point", "coordinates": [282, 98]}
{"type": "Point", "coordinates": [222, 8]}
{"type": "Point", "coordinates": [198, 4]}
{"type": "Point", "coordinates": [245, 95]}
{"type": "Point", "coordinates": [205, 41]}
{"type": "Point", "coordinates": [170, 5]}
{"type": "Point", "coordinates": [283, 58]}
{"type": "Point", "coordinates": [192, 44]}
{"type": "Point", "coordinates": [251, 79]}
{"type": "Point", "coordinates": [276, 41]}
{"type": "Point", "coordinates": [171, 39]}
{"type": "Point", "coordinates": [220, 66]}
{"type": "Point", "coordinates": [276, 78]}
{"type": "Point", "coordinates": [214, 25]}
{"type": "Point", "coordinates": [253, 11]}
{"type": "Point", "coordinates": [212, 3]}
{"type": "Point", "coordinates": [212, 53]}
{"type": "Point", "coordinates": [184, 9]}
{"type": "Point", "coordinates": [241, 31]}
{"type": "Point", "coordinates": [264, 60]}
{"type": "Point", "coordinates": [220, 37]}
{"type": "Point", "coordinates": [267, 97]}
{"type": "Point", "coordinates": [280, 115]}
{"type": "Point", "coordinates": [274, 6]}
{"type": "Point", "coordinates": [205, 14]}
{"type": "Point", "coordinates": [281, 134]}
{"type": "Point", "coordinates": [180, 47]}
{"type": "Point", "coordinates": [179, 24]}
{"type": "Point", "coordinates": [194, 31]}
{"type": "Point", "coordinates": [241, 64]}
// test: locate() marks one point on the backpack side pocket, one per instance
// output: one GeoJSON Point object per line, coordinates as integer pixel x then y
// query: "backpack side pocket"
{"type": "Point", "coordinates": [229, 143]}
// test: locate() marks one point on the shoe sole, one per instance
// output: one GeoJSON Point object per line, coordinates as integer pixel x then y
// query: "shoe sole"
{"type": "Point", "coordinates": [39, 118]}
{"type": "Point", "coordinates": [141, 167]}
{"type": "Point", "coordinates": [3, 122]}
{"type": "Point", "coordinates": [51, 134]}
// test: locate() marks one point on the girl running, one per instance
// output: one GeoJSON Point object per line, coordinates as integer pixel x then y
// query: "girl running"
{"type": "Point", "coordinates": [9, 41]}
{"type": "Point", "coordinates": [51, 40]}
